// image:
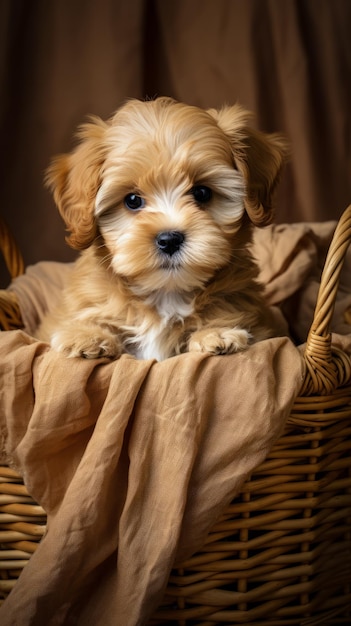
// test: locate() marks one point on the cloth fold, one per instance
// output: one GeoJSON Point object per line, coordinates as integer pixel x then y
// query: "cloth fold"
{"type": "Point", "coordinates": [133, 461]}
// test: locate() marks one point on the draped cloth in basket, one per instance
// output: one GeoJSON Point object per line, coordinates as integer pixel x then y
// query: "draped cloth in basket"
{"type": "Point", "coordinates": [133, 461]}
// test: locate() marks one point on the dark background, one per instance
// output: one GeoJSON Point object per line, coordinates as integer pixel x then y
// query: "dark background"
{"type": "Point", "coordinates": [288, 61]}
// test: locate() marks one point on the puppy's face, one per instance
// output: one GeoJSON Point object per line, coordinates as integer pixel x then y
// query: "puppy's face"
{"type": "Point", "coordinates": [170, 197]}
{"type": "Point", "coordinates": [164, 189]}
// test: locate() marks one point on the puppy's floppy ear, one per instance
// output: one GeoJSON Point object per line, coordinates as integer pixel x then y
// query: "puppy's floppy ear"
{"type": "Point", "coordinates": [74, 180]}
{"type": "Point", "coordinates": [258, 156]}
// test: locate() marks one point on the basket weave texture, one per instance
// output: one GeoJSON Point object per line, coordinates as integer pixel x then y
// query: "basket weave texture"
{"type": "Point", "coordinates": [281, 553]}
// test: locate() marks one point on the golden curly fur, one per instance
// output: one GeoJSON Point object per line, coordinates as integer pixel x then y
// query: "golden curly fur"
{"type": "Point", "coordinates": [162, 198]}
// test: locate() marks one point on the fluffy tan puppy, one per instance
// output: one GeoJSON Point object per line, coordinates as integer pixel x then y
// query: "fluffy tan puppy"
{"type": "Point", "coordinates": [162, 199]}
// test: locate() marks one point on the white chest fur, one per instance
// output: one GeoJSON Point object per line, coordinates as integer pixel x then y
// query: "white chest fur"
{"type": "Point", "coordinates": [152, 340]}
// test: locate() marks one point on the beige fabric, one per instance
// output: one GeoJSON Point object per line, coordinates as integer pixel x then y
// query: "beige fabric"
{"type": "Point", "coordinates": [38, 290]}
{"type": "Point", "coordinates": [133, 461]}
{"type": "Point", "coordinates": [292, 258]}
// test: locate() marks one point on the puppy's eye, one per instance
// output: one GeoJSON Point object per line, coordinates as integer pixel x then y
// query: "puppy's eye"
{"type": "Point", "coordinates": [133, 202]}
{"type": "Point", "coordinates": [201, 194]}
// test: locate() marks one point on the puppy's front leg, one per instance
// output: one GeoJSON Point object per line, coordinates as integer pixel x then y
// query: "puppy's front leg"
{"type": "Point", "coordinates": [89, 341]}
{"type": "Point", "coordinates": [219, 340]}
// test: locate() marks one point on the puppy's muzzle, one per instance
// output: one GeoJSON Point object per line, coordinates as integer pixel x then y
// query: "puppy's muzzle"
{"type": "Point", "coordinates": [170, 242]}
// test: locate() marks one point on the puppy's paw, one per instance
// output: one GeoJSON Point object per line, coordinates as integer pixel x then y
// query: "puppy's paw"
{"type": "Point", "coordinates": [219, 340]}
{"type": "Point", "coordinates": [87, 343]}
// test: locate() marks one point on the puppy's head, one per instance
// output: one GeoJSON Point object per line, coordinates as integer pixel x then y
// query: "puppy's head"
{"type": "Point", "coordinates": [165, 189]}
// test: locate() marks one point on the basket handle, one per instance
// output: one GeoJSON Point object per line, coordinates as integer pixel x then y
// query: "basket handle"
{"type": "Point", "coordinates": [10, 314]}
{"type": "Point", "coordinates": [327, 367]}
{"type": "Point", "coordinates": [10, 251]}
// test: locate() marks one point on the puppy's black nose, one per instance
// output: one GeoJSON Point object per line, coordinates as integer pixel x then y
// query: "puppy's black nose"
{"type": "Point", "coordinates": [169, 241]}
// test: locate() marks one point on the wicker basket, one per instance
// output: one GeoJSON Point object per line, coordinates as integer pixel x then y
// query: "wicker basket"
{"type": "Point", "coordinates": [281, 553]}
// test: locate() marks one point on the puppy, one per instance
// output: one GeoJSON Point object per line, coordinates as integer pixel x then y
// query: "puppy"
{"type": "Point", "coordinates": [162, 198]}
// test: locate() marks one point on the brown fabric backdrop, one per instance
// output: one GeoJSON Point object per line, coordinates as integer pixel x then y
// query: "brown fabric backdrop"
{"type": "Point", "coordinates": [289, 61]}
